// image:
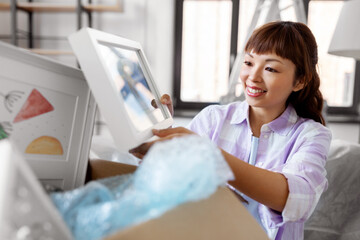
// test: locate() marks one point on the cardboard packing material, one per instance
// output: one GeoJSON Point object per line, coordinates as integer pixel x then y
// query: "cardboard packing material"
{"type": "Point", "coordinates": [221, 216]}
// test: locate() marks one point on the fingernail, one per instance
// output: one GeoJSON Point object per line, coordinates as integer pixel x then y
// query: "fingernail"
{"type": "Point", "coordinates": [165, 100]}
{"type": "Point", "coordinates": [155, 131]}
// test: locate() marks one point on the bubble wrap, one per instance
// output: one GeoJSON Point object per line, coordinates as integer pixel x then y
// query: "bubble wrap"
{"type": "Point", "coordinates": [173, 172]}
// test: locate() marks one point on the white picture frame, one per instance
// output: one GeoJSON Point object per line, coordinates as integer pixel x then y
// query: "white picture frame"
{"type": "Point", "coordinates": [26, 211]}
{"type": "Point", "coordinates": [110, 64]}
{"type": "Point", "coordinates": [48, 111]}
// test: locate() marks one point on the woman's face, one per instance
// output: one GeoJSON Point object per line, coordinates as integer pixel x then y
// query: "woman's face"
{"type": "Point", "coordinates": [268, 80]}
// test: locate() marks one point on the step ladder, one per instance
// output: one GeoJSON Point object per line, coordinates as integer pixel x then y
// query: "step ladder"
{"type": "Point", "coordinates": [265, 11]}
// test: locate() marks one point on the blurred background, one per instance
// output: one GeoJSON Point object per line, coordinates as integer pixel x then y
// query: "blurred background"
{"type": "Point", "coordinates": [193, 46]}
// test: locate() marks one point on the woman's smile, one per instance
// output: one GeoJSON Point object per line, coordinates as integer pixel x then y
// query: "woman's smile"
{"type": "Point", "coordinates": [254, 91]}
{"type": "Point", "coordinates": [268, 81]}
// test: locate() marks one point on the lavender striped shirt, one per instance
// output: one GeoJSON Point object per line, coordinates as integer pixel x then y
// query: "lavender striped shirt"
{"type": "Point", "coordinates": [291, 145]}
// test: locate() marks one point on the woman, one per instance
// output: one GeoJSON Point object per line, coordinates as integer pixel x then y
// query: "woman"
{"type": "Point", "coordinates": [275, 142]}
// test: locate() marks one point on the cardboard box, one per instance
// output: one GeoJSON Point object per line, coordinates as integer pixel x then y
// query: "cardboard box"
{"type": "Point", "coordinates": [221, 216]}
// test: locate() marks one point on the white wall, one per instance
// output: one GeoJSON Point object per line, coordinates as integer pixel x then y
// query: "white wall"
{"type": "Point", "coordinates": [149, 22]}
{"type": "Point", "coordinates": [345, 131]}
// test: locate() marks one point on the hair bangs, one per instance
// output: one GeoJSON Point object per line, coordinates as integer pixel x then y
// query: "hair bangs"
{"type": "Point", "coordinates": [293, 41]}
{"type": "Point", "coordinates": [275, 39]}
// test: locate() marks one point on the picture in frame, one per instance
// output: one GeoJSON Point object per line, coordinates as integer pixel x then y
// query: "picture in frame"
{"type": "Point", "coordinates": [121, 81]}
{"type": "Point", "coordinates": [47, 110]}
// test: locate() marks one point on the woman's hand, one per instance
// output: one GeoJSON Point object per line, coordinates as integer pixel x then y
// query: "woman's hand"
{"type": "Point", "coordinates": [166, 100]}
{"type": "Point", "coordinates": [164, 134]}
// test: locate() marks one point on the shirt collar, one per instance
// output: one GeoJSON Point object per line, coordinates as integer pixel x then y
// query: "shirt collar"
{"type": "Point", "coordinates": [281, 125]}
{"type": "Point", "coordinates": [241, 113]}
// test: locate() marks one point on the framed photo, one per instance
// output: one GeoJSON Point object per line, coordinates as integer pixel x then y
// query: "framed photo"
{"type": "Point", "coordinates": [24, 205]}
{"type": "Point", "coordinates": [47, 110]}
{"type": "Point", "coordinates": [121, 81]}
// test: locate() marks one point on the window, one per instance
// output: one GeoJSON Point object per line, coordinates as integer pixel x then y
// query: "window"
{"type": "Point", "coordinates": [339, 78]}
{"type": "Point", "coordinates": [209, 33]}
{"type": "Point", "coordinates": [204, 45]}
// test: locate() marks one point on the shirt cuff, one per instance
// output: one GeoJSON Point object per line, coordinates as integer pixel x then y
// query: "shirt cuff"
{"type": "Point", "coordinates": [299, 204]}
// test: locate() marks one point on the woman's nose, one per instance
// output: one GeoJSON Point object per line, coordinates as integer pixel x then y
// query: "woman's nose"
{"type": "Point", "coordinates": [255, 75]}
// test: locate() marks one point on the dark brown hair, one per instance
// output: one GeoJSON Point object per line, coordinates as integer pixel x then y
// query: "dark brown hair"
{"type": "Point", "coordinates": [294, 41]}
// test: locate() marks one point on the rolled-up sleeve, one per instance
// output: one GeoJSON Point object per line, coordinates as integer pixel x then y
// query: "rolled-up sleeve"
{"type": "Point", "coordinates": [306, 175]}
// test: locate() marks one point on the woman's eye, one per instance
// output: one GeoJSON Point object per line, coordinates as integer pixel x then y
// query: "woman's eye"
{"type": "Point", "coordinates": [247, 63]}
{"type": "Point", "coordinates": [270, 69]}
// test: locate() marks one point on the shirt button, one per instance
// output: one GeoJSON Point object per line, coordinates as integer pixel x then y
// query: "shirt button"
{"type": "Point", "coordinates": [266, 136]}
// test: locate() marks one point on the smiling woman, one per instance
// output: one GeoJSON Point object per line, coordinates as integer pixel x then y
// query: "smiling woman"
{"type": "Point", "coordinates": [268, 81]}
{"type": "Point", "coordinates": [275, 142]}
{"type": "Point", "coordinates": [294, 43]}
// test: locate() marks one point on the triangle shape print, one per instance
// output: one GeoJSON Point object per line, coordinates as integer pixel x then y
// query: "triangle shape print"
{"type": "Point", "coordinates": [36, 104]}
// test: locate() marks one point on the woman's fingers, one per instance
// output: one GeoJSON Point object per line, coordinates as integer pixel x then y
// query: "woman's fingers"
{"type": "Point", "coordinates": [141, 150]}
{"type": "Point", "coordinates": [170, 131]}
{"type": "Point", "coordinates": [153, 103]}
{"type": "Point", "coordinates": [164, 134]}
{"type": "Point", "coordinates": [138, 155]}
{"type": "Point", "coordinates": [166, 99]}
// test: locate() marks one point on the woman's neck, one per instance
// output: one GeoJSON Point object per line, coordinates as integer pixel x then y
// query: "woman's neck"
{"type": "Point", "coordinates": [260, 116]}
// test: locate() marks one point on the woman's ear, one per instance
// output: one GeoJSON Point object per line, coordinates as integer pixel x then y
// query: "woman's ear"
{"type": "Point", "coordinates": [300, 84]}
